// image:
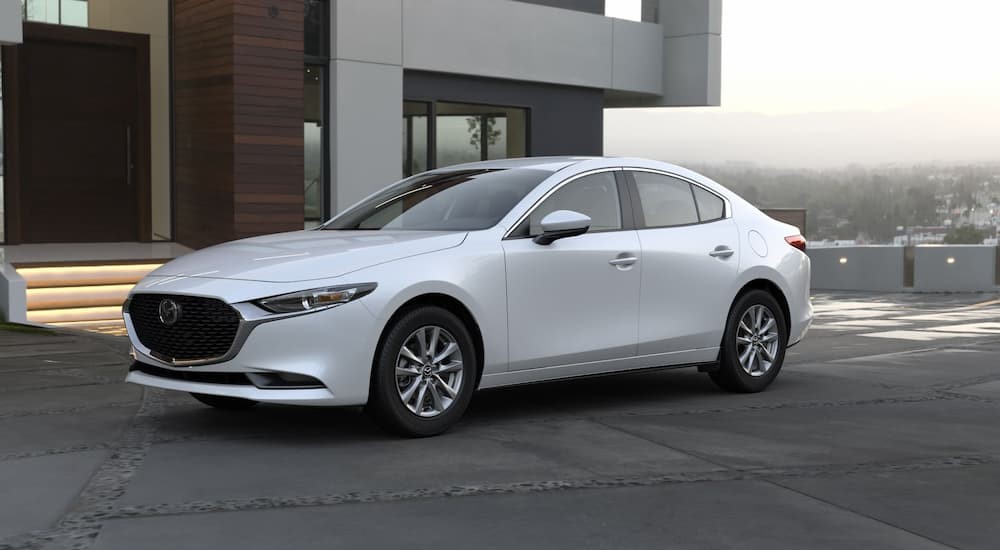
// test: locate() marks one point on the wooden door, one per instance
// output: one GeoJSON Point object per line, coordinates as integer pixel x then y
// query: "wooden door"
{"type": "Point", "coordinates": [83, 111]}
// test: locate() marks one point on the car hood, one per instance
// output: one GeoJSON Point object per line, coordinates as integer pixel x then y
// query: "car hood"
{"type": "Point", "coordinates": [305, 255]}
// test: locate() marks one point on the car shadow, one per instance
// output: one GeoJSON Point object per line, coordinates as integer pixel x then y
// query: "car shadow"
{"type": "Point", "coordinates": [185, 419]}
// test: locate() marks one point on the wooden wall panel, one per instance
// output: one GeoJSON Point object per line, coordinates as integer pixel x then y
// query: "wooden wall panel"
{"type": "Point", "coordinates": [238, 112]}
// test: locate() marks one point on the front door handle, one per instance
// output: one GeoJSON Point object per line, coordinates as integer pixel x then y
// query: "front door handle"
{"type": "Point", "coordinates": [624, 261]}
{"type": "Point", "coordinates": [721, 251]}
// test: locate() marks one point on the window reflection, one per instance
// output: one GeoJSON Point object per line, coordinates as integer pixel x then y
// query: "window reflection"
{"type": "Point", "coordinates": [2, 225]}
{"type": "Point", "coordinates": [316, 18]}
{"type": "Point", "coordinates": [415, 140]}
{"type": "Point", "coordinates": [469, 133]}
{"type": "Point", "coordinates": [462, 132]}
{"type": "Point", "coordinates": [59, 12]}
{"type": "Point", "coordinates": [313, 144]}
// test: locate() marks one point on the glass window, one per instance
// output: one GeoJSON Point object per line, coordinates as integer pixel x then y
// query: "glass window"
{"type": "Point", "coordinates": [2, 225]}
{"type": "Point", "coordinates": [470, 133]}
{"type": "Point", "coordinates": [710, 206]}
{"type": "Point", "coordinates": [313, 144]}
{"type": "Point", "coordinates": [415, 140]}
{"type": "Point", "coordinates": [65, 12]}
{"type": "Point", "coordinates": [666, 201]}
{"type": "Point", "coordinates": [595, 195]}
{"type": "Point", "coordinates": [458, 200]}
{"type": "Point", "coordinates": [317, 21]}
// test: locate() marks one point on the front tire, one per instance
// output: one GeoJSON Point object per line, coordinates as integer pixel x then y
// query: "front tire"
{"type": "Point", "coordinates": [753, 347]}
{"type": "Point", "coordinates": [424, 373]}
{"type": "Point", "coordinates": [223, 402]}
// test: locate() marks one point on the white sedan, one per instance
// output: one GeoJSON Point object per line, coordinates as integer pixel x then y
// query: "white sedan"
{"type": "Point", "coordinates": [478, 276]}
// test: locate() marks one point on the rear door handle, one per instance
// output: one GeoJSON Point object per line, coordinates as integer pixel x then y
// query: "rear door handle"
{"type": "Point", "coordinates": [626, 261]}
{"type": "Point", "coordinates": [721, 251]}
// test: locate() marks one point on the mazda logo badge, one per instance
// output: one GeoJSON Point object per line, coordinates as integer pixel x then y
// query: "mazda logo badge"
{"type": "Point", "coordinates": [170, 312]}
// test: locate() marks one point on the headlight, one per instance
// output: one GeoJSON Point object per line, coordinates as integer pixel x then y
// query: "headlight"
{"type": "Point", "coordinates": [316, 299]}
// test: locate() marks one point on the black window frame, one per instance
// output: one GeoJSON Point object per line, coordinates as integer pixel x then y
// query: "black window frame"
{"type": "Point", "coordinates": [432, 114]}
{"type": "Point", "coordinates": [322, 60]}
{"type": "Point", "coordinates": [640, 219]}
{"type": "Point", "coordinates": [521, 228]}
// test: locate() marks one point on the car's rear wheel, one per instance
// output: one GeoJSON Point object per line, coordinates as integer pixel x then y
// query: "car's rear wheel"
{"type": "Point", "coordinates": [424, 373]}
{"type": "Point", "coordinates": [753, 347]}
{"type": "Point", "coordinates": [223, 402]}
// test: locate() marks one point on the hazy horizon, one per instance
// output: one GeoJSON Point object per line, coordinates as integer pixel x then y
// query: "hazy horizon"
{"type": "Point", "coordinates": [819, 86]}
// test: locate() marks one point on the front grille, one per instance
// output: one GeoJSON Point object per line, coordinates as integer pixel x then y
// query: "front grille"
{"type": "Point", "coordinates": [228, 378]}
{"type": "Point", "coordinates": [204, 330]}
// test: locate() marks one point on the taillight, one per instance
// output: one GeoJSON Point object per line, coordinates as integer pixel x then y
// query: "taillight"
{"type": "Point", "coordinates": [798, 241]}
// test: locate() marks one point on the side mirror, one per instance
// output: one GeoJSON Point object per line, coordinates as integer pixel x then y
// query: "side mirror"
{"type": "Point", "coordinates": [561, 224]}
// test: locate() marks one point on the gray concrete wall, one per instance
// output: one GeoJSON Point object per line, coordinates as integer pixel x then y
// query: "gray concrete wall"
{"type": "Point", "coordinates": [949, 268]}
{"type": "Point", "coordinates": [10, 22]}
{"type": "Point", "coordinates": [955, 268]}
{"type": "Point", "coordinates": [876, 268]}
{"type": "Point", "coordinates": [366, 116]}
{"type": "Point", "coordinates": [692, 54]}
{"type": "Point", "coordinates": [589, 6]}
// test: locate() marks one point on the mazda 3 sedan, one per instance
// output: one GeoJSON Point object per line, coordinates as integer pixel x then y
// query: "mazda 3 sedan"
{"type": "Point", "coordinates": [479, 276]}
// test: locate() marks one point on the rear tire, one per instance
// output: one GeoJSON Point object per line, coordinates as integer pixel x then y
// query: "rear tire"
{"type": "Point", "coordinates": [753, 347]}
{"type": "Point", "coordinates": [223, 402]}
{"type": "Point", "coordinates": [424, 389]}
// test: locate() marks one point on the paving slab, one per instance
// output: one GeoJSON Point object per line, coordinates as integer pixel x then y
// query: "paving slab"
{"type": "Point", "coordinates": [957, 506]}
{"type": "Point", "coordinates": [43, 434]}
{"type": "Point", "coordinates": [287, 466]}
{"type": "Point", "coordinates": [68, 398]}
{"type": "Point", "coordinates": [924, 369]}
{"type": "Point", "coordinates": [37, 491]}
{"type": "Point", "coordinates": [696, 516]}
{"type": "Point", "coordinates": [827, 435]}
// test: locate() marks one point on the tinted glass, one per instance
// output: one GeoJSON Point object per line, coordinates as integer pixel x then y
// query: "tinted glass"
{"type": "Point", "coordinates": [415, 132]}
{"type": "Point", "coordinates": [461, 200]}
{"type": "Point", "coordinates": [595, 195]}
{"type": "Point", "coordinates": [315, 28]}
{"type": "Point", "coordinates": [665, 201]}
{"type": "Point", "coordinates": [468, 133]}
{"type": "Point", "coordinates": [312, 133]}
{"type": "Point", "coordinates": [710, 206]}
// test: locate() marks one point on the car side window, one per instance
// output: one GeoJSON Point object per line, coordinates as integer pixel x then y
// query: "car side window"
{"type": "Point", "coordinates": [595, 195]}
{"type": "Point", "coordinates": [666, 201]}
{"type": "Point", "coordinates": [710, 206]}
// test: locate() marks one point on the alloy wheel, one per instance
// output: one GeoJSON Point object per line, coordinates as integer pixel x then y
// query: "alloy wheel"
{"type": "Point", "coordinates": [429, 371]}
{"type": "Point", "coordinates": [757, 340]}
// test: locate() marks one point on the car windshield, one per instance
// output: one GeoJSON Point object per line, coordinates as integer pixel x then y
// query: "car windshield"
{"type": "Point", "coordinates": [459, 200]}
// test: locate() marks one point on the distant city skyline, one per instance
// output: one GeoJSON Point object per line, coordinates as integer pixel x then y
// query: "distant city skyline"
{"type": "Point", "coordinates": [810, 84]}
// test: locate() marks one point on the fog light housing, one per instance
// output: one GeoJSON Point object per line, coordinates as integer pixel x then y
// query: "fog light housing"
{"type": "Point", "coordinates": [283, 381]}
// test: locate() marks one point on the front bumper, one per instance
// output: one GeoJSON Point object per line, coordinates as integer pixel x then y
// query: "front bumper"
{"type": "Point", "coordinates": [335, 346]}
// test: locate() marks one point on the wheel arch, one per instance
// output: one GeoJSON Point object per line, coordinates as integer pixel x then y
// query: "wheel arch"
{"type": "Point", "coordinates": [774, 290]}
{"type": "Point", "coordinates": [446, 302]}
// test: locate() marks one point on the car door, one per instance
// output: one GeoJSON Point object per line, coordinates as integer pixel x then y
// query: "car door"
{"type": "Point", "coordinates": [575, 300]}
{"type": "Point", "coordinates": [690, 263]}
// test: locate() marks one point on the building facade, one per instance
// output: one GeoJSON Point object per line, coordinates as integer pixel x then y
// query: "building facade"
{"type": "Point", "coordinates": [201, 121]}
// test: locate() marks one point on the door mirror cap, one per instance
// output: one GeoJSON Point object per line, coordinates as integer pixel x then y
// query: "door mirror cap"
{"type": "Point", "coordinates": [561, 224]}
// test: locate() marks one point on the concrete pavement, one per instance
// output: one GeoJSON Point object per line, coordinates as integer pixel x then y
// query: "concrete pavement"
{"type": "Point", "coordinates": [866, 440]}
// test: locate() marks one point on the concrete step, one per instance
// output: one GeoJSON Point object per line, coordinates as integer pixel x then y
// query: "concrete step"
{"type": "Point", "coordinates": [87, 296]}
{"type": "Point", "coordinates": [51, 316]}
{"type": "Point", "coordinates": [77, 296]}
{"type": "Point", "coordinates": [42, 276]}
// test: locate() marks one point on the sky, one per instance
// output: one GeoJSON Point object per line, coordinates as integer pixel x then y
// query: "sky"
{"type": "Point", "coordinates": [807, 83]}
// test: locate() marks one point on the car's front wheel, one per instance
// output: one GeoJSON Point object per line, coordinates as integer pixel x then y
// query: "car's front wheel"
{"type": "Point", "coordinates": [424, 373]}
{"type": "Point", "coordinates": [753, 347]}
